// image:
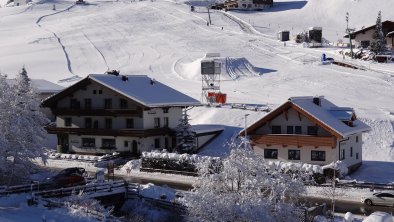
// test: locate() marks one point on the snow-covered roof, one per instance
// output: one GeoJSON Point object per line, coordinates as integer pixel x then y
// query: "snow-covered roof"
{"type": "Point", "coordinates": [144, 90]}
{"type": "Point", "coordinates": [325, 114]}
{"type": "Point", "coordinates": [205, 128]}
{"type": "Point", "coordinates": [45, 86]}
{"type": "Point", "coordinates": [41, 85]}
{"type": "Point", "coordinates": [328, 115]}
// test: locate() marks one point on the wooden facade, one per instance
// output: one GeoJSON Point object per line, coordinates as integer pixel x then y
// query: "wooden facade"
{"type": "Point", "coordinates": [109, 132]}
{"type": "Point", "coordinates": [294, 140]}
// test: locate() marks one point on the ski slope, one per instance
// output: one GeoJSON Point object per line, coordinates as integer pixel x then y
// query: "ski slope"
{"type": "Point", "coordinates": [164, 40]}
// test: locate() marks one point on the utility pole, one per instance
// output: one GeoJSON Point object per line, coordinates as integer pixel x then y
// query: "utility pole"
{"type": "Point", "coordinates": [333, 188]}
{"type": "Point", "coordinates": [349, 32]}
{"type": "Point", "coordinates": [246, 135]}
{"type": "Point", "coordinates": [209, 14]}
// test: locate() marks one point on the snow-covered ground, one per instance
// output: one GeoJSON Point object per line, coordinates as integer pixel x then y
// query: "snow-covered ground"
{"type": "Point", "coordinates": [164, 40]}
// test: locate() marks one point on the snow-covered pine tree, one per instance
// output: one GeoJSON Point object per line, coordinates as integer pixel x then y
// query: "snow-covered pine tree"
{"type": "Point", "coordinates": [378, 44]}
{"type": "Point", "coordinates": [21, 129]}
{"type": "Point", "coordinates": [185, 137]}
{"type": "Point", "coordinates": [245, 188]}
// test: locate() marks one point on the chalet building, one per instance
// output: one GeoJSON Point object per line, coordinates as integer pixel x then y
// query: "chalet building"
{"type": "Point", "coordinates": [248, 4]}
{"type": "Point", "coordinates": [44, 89]}
{"type": "Point", "coordinates": [103, 113]}
{"type": "Point", "coordinates": [309, 130]}
{"type": "Point", "coordinates": [363, 37]}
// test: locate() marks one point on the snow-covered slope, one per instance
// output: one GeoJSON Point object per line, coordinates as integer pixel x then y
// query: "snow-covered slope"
{"type": "Point", "coordinates": [299, 15]}
{"type": "Point", "coordinates": [164, 40]}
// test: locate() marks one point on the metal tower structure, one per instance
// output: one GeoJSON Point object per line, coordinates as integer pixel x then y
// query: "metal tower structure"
{"type": "Point", "coordinates": [210, 77]}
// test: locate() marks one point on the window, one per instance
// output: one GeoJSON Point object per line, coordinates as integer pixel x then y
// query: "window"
{"type": "Point", "coordinates": [356, 139]}
{"type": "Point", "coordinates": [157, 143]}
{"type": "Point", "coordinates": [294, 155]}
{"type": "Point", "coordinates": [290, 130]}
{"type": "Point", "coordinates": [165, 122]}
{"type": "Point", "coordinates": [94, 92]}
{"type": "Point", "coordinates": [96, 124]}
{"type": "Point", "coordinates": [88, 103]}
{"type": "Point", "coordinates": [67, 121]}
{"type": "Point", "coordinates": [123, 103]}
{"type": "Point", "coordinates": [108, 123]}
{"type": "Point", "coordinates": [88, 123]}
{"type": "Point", "coordinates": [100, 91]}
{"type": "Point", "coordinates": [351, 151]}
{"type": "Point", "coordinates": [108, 144]}
{"type": "Point", "coordinates": [318, 155]}
{"type": "Point", "coordinates": [270, 153]}
{"type": "Point", "coordinates": [356, 156]}
{"type": "Point", "coordinates": [276, 130]}
{"type": "Point", "coordinates": [107, 103]}
{"type": "Point", "coordinates": [297, 130]}
{"type": "Point", "coordinates": [129, 123]}
{"type": "Point", "coordinates": [365, 44]}
{"type": "Point", "coordinates": [165, 110]}
{"type": "Point", "coordinates": [157, 122]}
{"type": "Point", "coordinates": [74, 104]}
{"type": "Point", "coordinates": [312, 130]}
{"type": "Point", "coordinates": [342, 154]}
{"type": "Point", "coordinates": [126, 143]}
{"type": "Point", "coordinates": [88, 142]}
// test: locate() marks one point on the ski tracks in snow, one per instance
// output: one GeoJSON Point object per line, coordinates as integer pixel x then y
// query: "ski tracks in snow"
{"type": "Point", "coordinates": [98, 50]}
{"type": "Point", "coordinates": [56, 36]}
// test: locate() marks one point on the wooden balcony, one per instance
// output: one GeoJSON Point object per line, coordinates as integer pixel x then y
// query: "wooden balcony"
{"type": "Point", "coordinates": [96, 112]}
{"type": "Point", "coordinates": [294, 140]}
{"type": "Point", "coordinates": [109, 132]}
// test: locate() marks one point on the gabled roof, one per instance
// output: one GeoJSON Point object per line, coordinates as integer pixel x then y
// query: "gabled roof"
{"type": "Point", "coordinates": [139, 88]}
{"type": "Point", "coordinates": [387, 25]}
{"type": "Point", "coordinates": [327, 115]}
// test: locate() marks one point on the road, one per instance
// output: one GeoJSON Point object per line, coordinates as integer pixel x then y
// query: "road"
{"type": "Point", "coordinates": [343, 206]}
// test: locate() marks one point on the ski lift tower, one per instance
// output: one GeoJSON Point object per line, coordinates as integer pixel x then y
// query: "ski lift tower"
{"type": "Point", "coordinates": [210, 75]}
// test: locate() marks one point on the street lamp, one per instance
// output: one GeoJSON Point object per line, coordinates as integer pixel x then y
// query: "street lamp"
{"type": "Point", "coordinates": [349, 31]}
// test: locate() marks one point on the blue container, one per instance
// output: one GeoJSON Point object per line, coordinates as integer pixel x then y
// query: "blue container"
{"type": "Point", "coordinates": [323, 57]}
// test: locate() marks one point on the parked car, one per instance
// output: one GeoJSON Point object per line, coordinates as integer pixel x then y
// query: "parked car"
{"type": "Point", "coordinates": [379, 198]}
{"type": "Point", "coordinates": [379, 217]}
{"type": "Point", "coordinates": [68, 177]}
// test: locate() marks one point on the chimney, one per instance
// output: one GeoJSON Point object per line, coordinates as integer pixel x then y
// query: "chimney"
{"type": "Point", "coordinates": [112, 72]}
{"type": "Point", "coordinates": [317, 101]}
{"type": "Point", "coordinates": [125, 78]}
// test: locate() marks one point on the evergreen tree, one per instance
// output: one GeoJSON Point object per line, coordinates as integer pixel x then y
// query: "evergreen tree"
{"type": "Point", "coordinates": [378, 44]}
{"type": "Point", "coordinates": [21, 128]}
{"type": "Point", "coordinates": [186, 140]}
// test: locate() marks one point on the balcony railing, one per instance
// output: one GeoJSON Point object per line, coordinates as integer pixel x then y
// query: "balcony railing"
{"type": "Point", "coordinates": [96, 112]}
{"type": "Point", "coordinates": [109, 132]}
{"type": "Point", "coordinates": [294, 140]}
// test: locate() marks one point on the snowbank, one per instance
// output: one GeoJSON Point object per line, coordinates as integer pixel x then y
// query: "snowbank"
{"type": "Point", "coordinates": [157, 192]}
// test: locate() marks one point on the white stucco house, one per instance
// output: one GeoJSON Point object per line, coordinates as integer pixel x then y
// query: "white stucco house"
{"type": "Point", "coordinates": [104, 113]}
{"type": "Point", "coordinates": [363, 37]}
{"type": "Point", "coordinates": [310, 130]}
